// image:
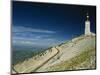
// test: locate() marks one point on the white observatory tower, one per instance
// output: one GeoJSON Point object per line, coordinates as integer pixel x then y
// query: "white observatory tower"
{"type": "Point", "coordinates": [87, 25]}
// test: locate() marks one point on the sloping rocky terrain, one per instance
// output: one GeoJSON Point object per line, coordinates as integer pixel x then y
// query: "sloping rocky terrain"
{"type": "Point", "coordinates": [78, 53]}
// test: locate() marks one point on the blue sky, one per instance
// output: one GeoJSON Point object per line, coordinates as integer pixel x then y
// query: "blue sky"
{"type": "Point", "coordinates": [39, 24]}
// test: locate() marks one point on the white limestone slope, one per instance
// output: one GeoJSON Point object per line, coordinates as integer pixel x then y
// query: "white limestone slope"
{"type": "Point", "coordinates": [70, 50]}
{"type": "Point", "coordinates": [34, 62]}
{"type": "Point", "coordinates": [56, 55]}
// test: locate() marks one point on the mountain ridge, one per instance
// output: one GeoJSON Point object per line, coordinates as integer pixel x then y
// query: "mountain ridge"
{"type": "Point", "coordinates": [51, 57]}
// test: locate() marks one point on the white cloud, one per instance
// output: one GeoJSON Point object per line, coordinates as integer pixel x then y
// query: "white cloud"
{"type": "Point", "coordinates": [30, 36]}
{"type": "Point", "coordinates": [17, 29]}
{"type": "Point", "coordinates": [37, 41]}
